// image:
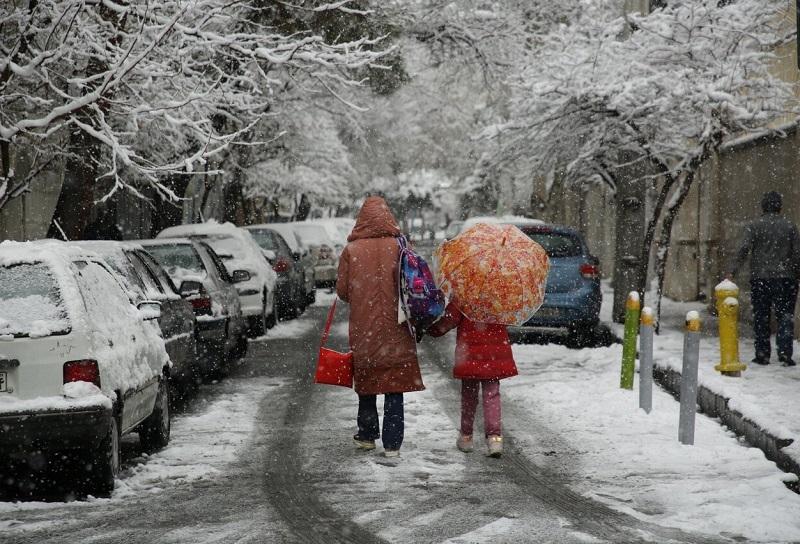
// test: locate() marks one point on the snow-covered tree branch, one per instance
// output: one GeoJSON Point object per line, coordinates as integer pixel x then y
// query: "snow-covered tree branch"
{"type": "Point", "coordinates": [653, 96]}
{"type": "Point", "coordinates": [159, 87]}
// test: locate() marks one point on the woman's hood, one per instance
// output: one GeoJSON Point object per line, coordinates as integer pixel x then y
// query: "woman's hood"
{"type": "Point", "coordinates": [375, 220]}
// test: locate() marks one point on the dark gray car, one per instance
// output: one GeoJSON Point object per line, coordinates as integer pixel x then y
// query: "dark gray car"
{"type": "Point", "coordinates": [291, 287]}
{"type": "Point", "coordinates": [204, 281]}
{"type": "Point", "coordinates": [301, 254]}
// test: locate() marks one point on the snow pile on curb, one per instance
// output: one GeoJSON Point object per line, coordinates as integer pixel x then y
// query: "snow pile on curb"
{"type": "Point", "coordinates": [202, 444]}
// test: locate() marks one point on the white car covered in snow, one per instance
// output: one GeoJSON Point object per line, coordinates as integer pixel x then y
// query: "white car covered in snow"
{"type": "Point", "coordinates": [80, 365]}
{"type": "Point", "coordinates": [315, 237]}
{"type": "Point", "coordinates": [247, 265]}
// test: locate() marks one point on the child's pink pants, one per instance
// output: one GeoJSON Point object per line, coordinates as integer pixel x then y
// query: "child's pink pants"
{"type": "Point", "coordinates": [491, 406]}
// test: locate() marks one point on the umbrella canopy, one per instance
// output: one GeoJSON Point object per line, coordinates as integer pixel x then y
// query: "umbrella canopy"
{"type": "Point", "coordinates": [496, 273]}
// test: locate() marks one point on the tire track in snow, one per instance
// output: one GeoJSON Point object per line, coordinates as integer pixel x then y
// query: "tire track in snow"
{"type": "Point", "coordinates": [288, 488]}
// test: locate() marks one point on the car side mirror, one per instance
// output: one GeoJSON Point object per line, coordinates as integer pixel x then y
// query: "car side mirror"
{"type": "Point", "coordinates": [190, 288]}
{"type": "Point", "coordinates": [239, 276]}
{"type": "Point", "coordinates": [269, 255]}
{"type": "Point", "coordinates": [149, 309]}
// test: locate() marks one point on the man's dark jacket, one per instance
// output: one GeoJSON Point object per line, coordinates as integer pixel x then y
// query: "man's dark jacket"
{"type": "Point", "coordinates": [774, 245]}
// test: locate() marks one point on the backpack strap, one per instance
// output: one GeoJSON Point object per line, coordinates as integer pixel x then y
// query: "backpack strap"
{"type": "Point", "coordinates": [327, 330]}
{"type": "Point", "coordinates": [402, 242]}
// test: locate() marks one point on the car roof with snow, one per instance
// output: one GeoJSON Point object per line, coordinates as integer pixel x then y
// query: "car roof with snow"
{"type": "Point", "coordinates": [164, 241]}
{"type": "Point", "coordinates": [285, 231]}
{"type": "Point", "coordinates": [210, 228]}
{"type": "Point", "coordinates": [109, 248]}
{"type": "Point", "coordinates": [50, 251]}
{"type": "Point", "coordinates": [312, 232]}
{"type": "Point", "coordinates": [515, 220]}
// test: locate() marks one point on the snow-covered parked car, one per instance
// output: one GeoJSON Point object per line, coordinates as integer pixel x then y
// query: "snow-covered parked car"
{"type": "Point", "coordinates": [338, 229]}
{"type": "Point", "coordinates": [292, 295]}
{"type": "Point", "coordinates": [203, 279]}
{"type": "Point", "coordinates": [248, 267]}
{"type": "Point", "coordinates": [147, 281]}
{"type": "Point", "coordinates": [300, 253]}
{"type": "Point", "coordinates": [80, 364]}
{"type": "Point", "coordinates": [326, 261]}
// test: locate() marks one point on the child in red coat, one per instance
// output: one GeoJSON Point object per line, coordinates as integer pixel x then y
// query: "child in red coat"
{"type": "Point", "coordinates": [483, 358]}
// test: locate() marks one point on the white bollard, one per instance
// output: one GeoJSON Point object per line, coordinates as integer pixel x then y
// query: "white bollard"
{"type": "Point", "coordinates": [646, 360]}
{"type": "Point", "coordinates": [691, 357]}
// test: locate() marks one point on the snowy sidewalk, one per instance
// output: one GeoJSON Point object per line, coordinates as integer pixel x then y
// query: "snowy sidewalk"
{"type": "Point", "coordinates": [766, 396]}
{"type": "Point", "coordinates": [633, 462]}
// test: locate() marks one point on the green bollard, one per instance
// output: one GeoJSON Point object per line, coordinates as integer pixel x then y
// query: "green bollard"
{"type": "Point", "coordinates": [629, 341]}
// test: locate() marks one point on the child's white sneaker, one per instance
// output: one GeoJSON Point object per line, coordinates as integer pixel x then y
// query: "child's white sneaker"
{"type": "Point", "coordinates": [495, 444]}
{"type": "Point", "coordinates": [464, 442]}
{"type": "Point", "coordinates": [391, 453]}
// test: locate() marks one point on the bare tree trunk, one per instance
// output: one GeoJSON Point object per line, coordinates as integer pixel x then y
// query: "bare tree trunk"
{"type": "Point", "coordinates": [665, 239]}
{"type": "Point", "coordinates": [10, 189]}
{"type": "Point", "coordinates": [629, 228]}
{"type": "Point", "coordinates": [76, 199]}
{"type": "Point", "coordinates": [234, 199]}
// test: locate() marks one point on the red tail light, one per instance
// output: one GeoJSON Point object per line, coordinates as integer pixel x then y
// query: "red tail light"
{"type": "Point", "coordinates": [281, 265]}
{"type": "Point", "coordinates": [590, 271]}
{"type": "Point", "coordinates": [201, 304]}
{"type": "Point", "coordinates": [82, 371]}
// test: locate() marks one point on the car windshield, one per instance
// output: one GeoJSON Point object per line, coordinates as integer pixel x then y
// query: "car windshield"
{"type": "Point", "coordinates": [556, 244]}
{"type": "Point", "coordinates": [30, 302]}
{"type": "Point", "coordinates": [313, 235]}
{"type": "Point", "coordinates": [176, 257]}
{"type": "Point", "coordinates": [265, 239]}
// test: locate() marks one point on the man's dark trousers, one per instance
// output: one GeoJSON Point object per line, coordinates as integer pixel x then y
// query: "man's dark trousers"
{"type": "Point", "coordinates": [780, 294]}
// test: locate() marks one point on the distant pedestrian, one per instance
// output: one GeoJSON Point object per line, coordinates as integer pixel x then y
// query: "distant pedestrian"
{"type": "Point", "coordinates": [384, 352]}
{"type": "Point", "coordinates": [483, 357]}
{"type": "Point", "coordinates": [774, 247]}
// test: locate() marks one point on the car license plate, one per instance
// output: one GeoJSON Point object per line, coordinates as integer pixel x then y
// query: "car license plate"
{"type": "Point", "coordinates": [3, 382]}
{"type": "Point", "coordinates": [547, 313]}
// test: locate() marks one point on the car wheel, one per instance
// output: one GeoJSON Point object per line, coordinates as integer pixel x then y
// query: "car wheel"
{"type": "Point", "coordinates": [290, 308]}
{"type": "Point", "coordinates": [154, 431]}
{"type": "Point", "coordinates": [581, 335]}
{"type": "Point", "coordinates": [302, 296]}
{"type": "Point", "coordinates": [241, 348]}
{"type": "Point", "coordinates": [272, 319]}
{"type": "Point", "coordinates": [258, 325]}
{"type": "Point", "coordinates": [311, 297]}
{"type": "Point", "coordinates": [104, 465]}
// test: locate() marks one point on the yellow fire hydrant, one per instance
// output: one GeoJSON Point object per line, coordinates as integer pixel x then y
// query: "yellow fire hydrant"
{"type": "Point", "coordinates": [727, 296]}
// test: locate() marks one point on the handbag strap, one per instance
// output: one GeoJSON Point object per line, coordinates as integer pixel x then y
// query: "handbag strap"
{"type": "Point", "coordinates": [327, 331]}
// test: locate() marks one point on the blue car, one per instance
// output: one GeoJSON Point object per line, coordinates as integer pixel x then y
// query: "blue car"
{"type": "Point", "coordinates": [572, 297]}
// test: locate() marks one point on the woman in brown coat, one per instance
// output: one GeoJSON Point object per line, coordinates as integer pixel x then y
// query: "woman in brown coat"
{"type": "Point", "coordinates": [384, 352]}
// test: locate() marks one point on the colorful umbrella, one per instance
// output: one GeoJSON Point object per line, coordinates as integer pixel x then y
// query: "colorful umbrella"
{"type": "Point", "coordinates": [496, 273]}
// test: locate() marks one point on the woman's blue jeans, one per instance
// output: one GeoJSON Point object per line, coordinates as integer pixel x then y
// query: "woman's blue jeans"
{"type": "Point", "coordinates": [393, 419]}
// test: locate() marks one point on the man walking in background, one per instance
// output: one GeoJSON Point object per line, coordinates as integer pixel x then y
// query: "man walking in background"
{"type": "Point", "coordinates": [774, 247]}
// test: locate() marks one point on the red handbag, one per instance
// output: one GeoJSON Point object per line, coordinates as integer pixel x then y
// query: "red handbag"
{"type": "Point", "coordinates": [333, 367]}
